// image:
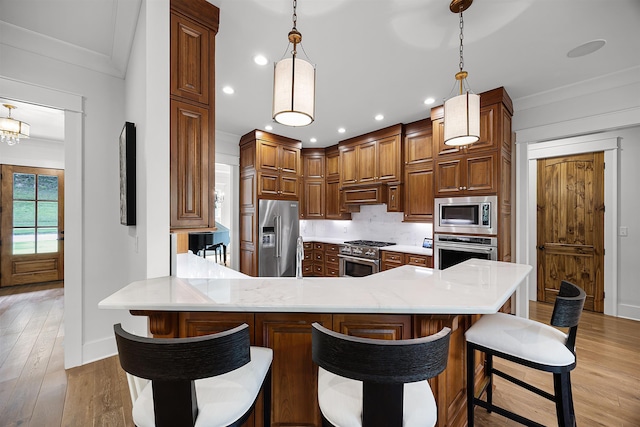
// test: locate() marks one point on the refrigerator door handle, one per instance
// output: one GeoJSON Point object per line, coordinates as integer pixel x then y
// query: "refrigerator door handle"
{"type": "Point", "coordinates": [278, 225]}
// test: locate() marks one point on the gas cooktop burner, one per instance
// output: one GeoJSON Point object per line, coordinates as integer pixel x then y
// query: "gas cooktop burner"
{"type": "Point", "coordinates": [371, 243]}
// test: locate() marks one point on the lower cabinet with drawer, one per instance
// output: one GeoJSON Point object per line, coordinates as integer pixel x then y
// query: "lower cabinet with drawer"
{"type": "Point", "coordinates": [331, 260]}
{"type": "Point", "coordinates": [398, 259]}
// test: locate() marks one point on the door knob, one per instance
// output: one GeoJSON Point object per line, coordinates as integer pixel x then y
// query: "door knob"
{"type": "Point", "coordinates": [541, 247]}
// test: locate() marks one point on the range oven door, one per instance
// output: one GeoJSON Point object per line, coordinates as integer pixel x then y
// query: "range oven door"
{"type": "Point", "coordinates": [357, 267]}
{"type": "Point", "coordinates": [449, 254]}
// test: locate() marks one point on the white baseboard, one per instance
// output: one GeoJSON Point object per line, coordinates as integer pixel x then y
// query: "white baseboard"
{"type": "Point", "coordinates": [629, 311]}
{"type": "Point", "coordinates": [98, 350]}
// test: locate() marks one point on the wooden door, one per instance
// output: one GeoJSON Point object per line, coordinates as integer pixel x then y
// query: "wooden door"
{"type": "Point", "coordinates": [314, 199]}
{"type": "Point", "coordinates": [418, 147]}
{"type": "Point", "coordinates": [448, 178]}
{"type": "Point", "coordinates": [289, 161]}
{"type": "Point", "coordinates": [481, 174]}
{"type": "Point", "coordinates": [190, 59]}
{"type": "Point", "coordinates": [570, 226]}
{"type": "Point", "coordinates": [418, 194]}
{"type": "Point", "coordinates": [32, 225]}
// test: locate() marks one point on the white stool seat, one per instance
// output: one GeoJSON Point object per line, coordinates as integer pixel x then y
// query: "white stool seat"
{"type": "Point", "coordinates": [340, 400]}
{"type": "Point", "coordinates": [522, 338]}
{"type": "Point", "coordinates": [222, 399]}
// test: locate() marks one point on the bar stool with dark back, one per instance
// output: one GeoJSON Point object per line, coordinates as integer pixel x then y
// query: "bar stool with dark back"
{"type": "Point", "coordinates": [212, 380]}
{"type": "Point", "coordinates": [532, 344]}
{"type": "Point", "coordinates": [377, 383]}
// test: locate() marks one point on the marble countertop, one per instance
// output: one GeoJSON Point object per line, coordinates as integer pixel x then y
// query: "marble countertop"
{"type": "Point", "coordinates": [472, 287]}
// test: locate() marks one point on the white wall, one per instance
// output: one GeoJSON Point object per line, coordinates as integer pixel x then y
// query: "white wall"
{"type": "Point", "coordinates": [598, 109]}
{"type": "Point", "coordinates": [34, 152]}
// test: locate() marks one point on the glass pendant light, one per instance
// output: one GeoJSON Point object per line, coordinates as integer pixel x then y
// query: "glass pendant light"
{"type": "Point", "coordinates": [294, 84]}
{"type": "Point", "coordinates": [461, 112]}
{"type": "Point", "coordinates": [11, 130]}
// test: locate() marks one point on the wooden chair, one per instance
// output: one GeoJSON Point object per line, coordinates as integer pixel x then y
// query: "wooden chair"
{"type": "Point", "coordinates": [371, 382]}
{"type": "Point", "coordinates": [213, 380]}
{"type": "Point", "coordinates": [532, 344]}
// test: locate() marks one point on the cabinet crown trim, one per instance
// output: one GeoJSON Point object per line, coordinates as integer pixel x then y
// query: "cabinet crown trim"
{"type": "Point", "coordinates": [373, 136]}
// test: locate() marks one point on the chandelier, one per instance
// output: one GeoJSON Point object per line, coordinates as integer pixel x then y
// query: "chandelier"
{"type": "Point", "coordinates": [294, 83]}
{"type": "Point", "coordinates": [461, 112]}
{"type": "Point", "coordinates": [11, 130]}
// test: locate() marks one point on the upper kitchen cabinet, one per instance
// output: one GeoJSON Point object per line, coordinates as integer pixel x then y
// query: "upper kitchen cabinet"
{"type": "Point", "coordinates": [312, 198]}
{"type": "Point", "coordinates": [374, 158]}
{"type": "Point", "coordinates": [276, 162]}
{"type": "Point", "coordinates": [335, 207]}
{"type": "Point", "coordinates": [194, 24]}
{"type": "Point", "coordinates": [475, 169]}
{"type": "Point", "coordinates": [418, 171]}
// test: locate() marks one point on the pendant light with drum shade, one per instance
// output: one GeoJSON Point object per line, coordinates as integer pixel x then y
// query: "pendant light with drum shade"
{"type": "Point", "coordinates": [294, 83]}
{"type": "Point", "coordinates": [461, 112]}
{"type": "Point", "coordinates": [11, 130]}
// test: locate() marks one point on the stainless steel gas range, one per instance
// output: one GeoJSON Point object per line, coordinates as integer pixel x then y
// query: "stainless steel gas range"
{"type": "Point", "coordinates": [359, 258]}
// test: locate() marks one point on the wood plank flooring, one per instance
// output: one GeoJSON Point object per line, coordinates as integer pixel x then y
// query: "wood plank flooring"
{"type": "Point", "coordinates": [35, 390]}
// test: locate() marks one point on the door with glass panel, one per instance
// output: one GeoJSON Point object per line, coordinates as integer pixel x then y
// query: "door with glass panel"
{"type": "Point", "coordinates": [32, 225]}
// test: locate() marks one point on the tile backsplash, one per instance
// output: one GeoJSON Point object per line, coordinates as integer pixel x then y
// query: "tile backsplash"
{"type": "Point", "coordinates": [373, 222]}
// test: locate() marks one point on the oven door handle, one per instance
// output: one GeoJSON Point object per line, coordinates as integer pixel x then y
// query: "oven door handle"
{"type": "Point", "coordinates": [360, 260]}
{"type": "Point", "coordinates": [467, 248]}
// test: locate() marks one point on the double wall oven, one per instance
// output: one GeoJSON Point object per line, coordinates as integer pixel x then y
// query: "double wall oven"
{"type": "Point", "coordinates": [359, 258]}
{"type": "Point", "coordinates": [465, 228]}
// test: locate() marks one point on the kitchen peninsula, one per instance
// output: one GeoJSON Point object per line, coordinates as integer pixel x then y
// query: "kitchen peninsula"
{"type": "Point", "coordinates": [401, 303]}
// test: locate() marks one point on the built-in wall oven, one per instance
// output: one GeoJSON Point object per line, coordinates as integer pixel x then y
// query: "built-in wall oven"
{"type": "Point", "coordinates": [359, 258]}
{"type": "Point", "coordinates": [452, 249]}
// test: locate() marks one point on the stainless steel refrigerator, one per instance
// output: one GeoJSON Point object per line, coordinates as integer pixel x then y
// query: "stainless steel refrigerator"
{"type": "Point", "coordinates": [278, 228]}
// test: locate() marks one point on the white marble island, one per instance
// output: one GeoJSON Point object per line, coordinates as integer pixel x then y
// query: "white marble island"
{"type": "Point", "coordinates": [400, 303]}
{"type": "Point", "coordinates": [473, 287]}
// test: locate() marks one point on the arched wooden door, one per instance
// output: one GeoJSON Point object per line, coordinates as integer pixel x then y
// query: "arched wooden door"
{"type": "Point", "coordinates": [32, 225]}
{"type": "Point", "coordinates": [570, 226]}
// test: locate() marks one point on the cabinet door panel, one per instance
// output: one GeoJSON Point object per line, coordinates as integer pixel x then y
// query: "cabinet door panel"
{"type": "Point", "coordinates": [289, 186]}
{"type": "Point", "coordinates": [189, 59]}
{"type": "Point", "coordinates": [389, 159]}
{"type": "Point", "coordinates": [294, 375]}
{"type": "Point", "coordinates": [438, 139]}
{"type": "Point", "coordinates": [267, 156]}
{"type": "Point", "coordinates": [448, 176]}
{"type": "Point", "coordinates": [418, 147]}
{"type": "Point", "coordinates": [314, 199]}
{"type": "Point", "coordinates": [385, 327]}
{"type": "Point", "coordinates": [348, 159]}
{"type": "Point", "coordinates": [394, 198]}
{"type": "Point", "coordinates": [489, 139]}
{"type": "Point", "coordinates": [333, 166]}
{"type": "Point", "coordinates": [195, 324]}
{"type": "Point", "coordinates": [418, 198]}
{"type": "Point", "coordinates": [189, 165]}
{"type": "Point", "coordinates": [367, 170]}
{"type": "Point", "coordinates": [289, 161]}
{"type": "Point", "coordinates": [332, 201]}
{"type": "Point", "coordinates": [313, 167]}
{"type": "Point", "coordinates": [482, 173]}
{"type": "Point", "coordinates": [267, 184]}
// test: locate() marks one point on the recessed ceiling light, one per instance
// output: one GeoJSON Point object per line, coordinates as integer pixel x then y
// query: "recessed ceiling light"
{"type": "Point", "coordinates": [429, 101]}
{"type": "Point", "coordinates": [379, 117]}
{"type": "Point", "coordinates": [260, 60]}
{"type": "Point", "coordinates": [228, 90]}
{"type": "Point", "coordinates": [313, 140]}
{"type": "Point", "coordinates": [268, 127]}
{"type": "Point", "coordinates": [342, 130]}
{"type": "Point", "coordinates": [586, 48]}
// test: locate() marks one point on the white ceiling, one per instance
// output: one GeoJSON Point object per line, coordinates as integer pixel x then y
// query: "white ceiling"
{"type": "Point", "coordinates": [372, 56]}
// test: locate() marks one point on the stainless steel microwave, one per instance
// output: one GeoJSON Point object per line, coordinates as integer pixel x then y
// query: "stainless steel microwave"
{"type": "Point", "coordinates": [470, 215]}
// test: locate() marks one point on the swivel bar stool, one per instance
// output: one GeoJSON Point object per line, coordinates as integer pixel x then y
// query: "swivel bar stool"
{"type": "Point", "coordinates": [532, 344]}
{"type": "Point", "coordinates": [211, 381]}
{"type": "Point", "coordinates": [364, 382]}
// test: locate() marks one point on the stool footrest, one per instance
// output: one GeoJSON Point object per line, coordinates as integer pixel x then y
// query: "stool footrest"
{"type": "Point", "coordinates": [527, 386]}
{"type": "Point", "coordinates": [508, 414]}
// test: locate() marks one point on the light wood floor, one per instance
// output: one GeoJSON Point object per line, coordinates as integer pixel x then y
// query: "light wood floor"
{"type": "Point", "coordinates": [35, 389]}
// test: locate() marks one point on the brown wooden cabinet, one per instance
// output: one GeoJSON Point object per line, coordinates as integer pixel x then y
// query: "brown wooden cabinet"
{"type": "Point", "coordinates": [374, 158]}
{"type": "Point", "coordinates": [391, 259]}
{"type": "Point", "coordinates": [313, 196]}
{"type": "Point", "coordinates": [331, 260]}
{"type": "Point", "coordinates": [467, 175]}
{"type": "Point", "coordinates": [394, 197]}
{"type": "Point", "coordinates": [270, 168]}
{"type": "Point", "coordinates": [335, 207]}
{"type": "Point", "coordinates": [418, 171]}
{"type": "Point", "coordinates": [194, 24]}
